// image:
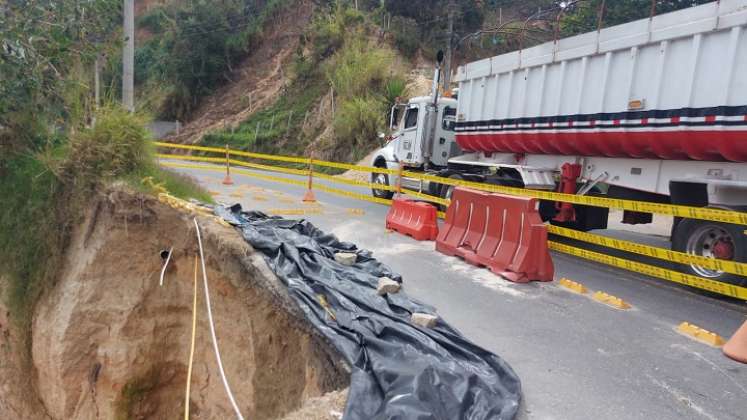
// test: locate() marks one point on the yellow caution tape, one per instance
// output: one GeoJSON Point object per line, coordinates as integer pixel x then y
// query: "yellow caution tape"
{"type": "Point", "coordinates": [717, 215]}
{"type": "Point", "coordinates": [192, 158]}
{"type": "Point", "coordinates": [358, 196]}
{"type": "Point", "coordinates": [302, 172]}
{"type": "Point", "coordinates": [351, 167]}
{"type": "Point", "coordinates": [290, 159]}
{"type": "Point", "coordinates": [659, 253]}
{"type": "Point", "coordinates": [732, 267]}
{"type": "Point", "coordinates": [238, 171]}
{"type": "Point", "coordinates": [190, 147]}
{"type": "Point", "coordinates": [649, 270]}
{"type": "Point", "coordinates": [354, 182]}
{"type": "Point", "coordinates": [424, 196]}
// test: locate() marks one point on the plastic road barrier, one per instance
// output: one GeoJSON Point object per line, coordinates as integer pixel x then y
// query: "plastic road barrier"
{"type": "Point", "coordinates": [736, 347]}
{"type": "Point", "coordinates": [413, 218]}
{"type": "Point", "coordinates": [500, 232]}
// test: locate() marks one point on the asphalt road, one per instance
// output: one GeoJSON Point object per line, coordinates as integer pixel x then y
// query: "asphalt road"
{"type": "Point", "coordinates": [577, 358]}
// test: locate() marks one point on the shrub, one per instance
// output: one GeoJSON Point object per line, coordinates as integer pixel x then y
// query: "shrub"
{"type": "Point", "coordinates": [117, 145]}
{"type": "Point", "coordinates": [358, 123]}
{"type": "Point", "coordinates": [359, 68]}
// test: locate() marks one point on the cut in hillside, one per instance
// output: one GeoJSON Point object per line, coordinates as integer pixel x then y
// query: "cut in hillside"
{"type": "Point", "coordinates": [256, 82]}
{"type": "Point", "coordinates": [108, 342]}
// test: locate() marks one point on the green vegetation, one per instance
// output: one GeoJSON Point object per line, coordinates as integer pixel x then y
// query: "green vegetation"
{"type": "Point", "coordinates": [190, 49]}
{"type": "Point", "coordinates": [343, 61]}
{"type": "Point", "coordinates": [585, 16]}
{"type": "Point", "coordinates": [135, 393]}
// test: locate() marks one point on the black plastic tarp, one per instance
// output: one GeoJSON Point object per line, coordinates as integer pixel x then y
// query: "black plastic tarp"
{"type": "Point", "coordinates": [399, 370]}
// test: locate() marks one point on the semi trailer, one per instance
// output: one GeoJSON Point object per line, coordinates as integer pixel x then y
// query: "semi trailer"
{"type": "Point", "coordinates": [653, 110]}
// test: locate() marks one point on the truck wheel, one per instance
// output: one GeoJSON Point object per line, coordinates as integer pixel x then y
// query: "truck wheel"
{"type": "Point", "coordinates": [714, 240]}
{"type": "Point", "coordinates": [381, 179]}
{"type": "Point", "coordinates": [448, 190]}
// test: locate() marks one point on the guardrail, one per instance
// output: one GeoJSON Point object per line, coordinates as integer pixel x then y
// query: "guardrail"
{"type": "Point", "coordinates": [717, 215]}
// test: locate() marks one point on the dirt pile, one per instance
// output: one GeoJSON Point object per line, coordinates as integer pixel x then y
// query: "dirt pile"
{"type": "Point", "coordinates": [108, 342]}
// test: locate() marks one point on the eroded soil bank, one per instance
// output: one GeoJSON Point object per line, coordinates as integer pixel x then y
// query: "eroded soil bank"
{"type": "Point", "coordinates": [108, 342]}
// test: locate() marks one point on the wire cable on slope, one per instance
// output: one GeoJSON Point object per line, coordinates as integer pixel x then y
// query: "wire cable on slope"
{"type": "Point", "coordinates": [212, 326]}
{"type": "Point", "coordinates": [192, 345]}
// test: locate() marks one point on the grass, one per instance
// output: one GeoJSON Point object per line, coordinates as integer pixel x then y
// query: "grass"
{"type": "Point", "coordinates": [44, 195]}
{"type": "Point", "coordinates": [31, 232]}
{"type": "Point", "coordinates": [278, 128]}
{"type": "Point", "coordinates": [365, 81]}
{"type": "Point", "coordinates": [153, 179]}
{"type": "Point", "coordinates": [134, 393]}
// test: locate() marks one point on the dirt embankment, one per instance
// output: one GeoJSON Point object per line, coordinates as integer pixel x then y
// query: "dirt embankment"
{"type": "Point", "coordinates": [255, 83]}
{"type": "Point", "coordinates": [108, 342]}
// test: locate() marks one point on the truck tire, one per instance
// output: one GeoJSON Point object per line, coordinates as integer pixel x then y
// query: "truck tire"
{"type": "Point", "coordinates": [381, 179]}
{"type": "Point", "coordinates": [448, 190]}
{"type": "Point", "coordinates": [711, 239]}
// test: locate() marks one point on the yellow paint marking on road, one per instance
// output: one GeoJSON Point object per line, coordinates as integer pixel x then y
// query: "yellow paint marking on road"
{"type": "Point", "coordinates": [294, 212]}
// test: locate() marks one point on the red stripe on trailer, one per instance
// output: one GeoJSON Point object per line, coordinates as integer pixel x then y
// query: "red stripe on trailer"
{"type": "Point", "coordinates": [708, 145]}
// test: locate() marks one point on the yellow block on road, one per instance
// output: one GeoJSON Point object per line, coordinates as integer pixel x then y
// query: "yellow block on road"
{"type": "Point", "coordinates": [699, 334]}
{"type": "Point", "coordinates": [610, 300]}
{"type": "Point", "coordinates": [573, 286]}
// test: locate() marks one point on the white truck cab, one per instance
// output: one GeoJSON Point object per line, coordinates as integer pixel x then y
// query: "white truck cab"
{"type": "Point", "coordinates": [421, 137]}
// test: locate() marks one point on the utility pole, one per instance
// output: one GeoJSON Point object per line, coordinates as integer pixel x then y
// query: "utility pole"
{"type": "Point", "coordinates": [447, 66]}
{"type": "Point", "coordinates": [128, 57]}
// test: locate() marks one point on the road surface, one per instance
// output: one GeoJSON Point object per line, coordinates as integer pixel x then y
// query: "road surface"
{"type": "Point", "coordinates": [577, 359]}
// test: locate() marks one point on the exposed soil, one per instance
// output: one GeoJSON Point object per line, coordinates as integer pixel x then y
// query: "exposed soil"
{"type": "Point", "coordinates": [257, 82]}
{"type": "Point", "coordinates": [108, 342]}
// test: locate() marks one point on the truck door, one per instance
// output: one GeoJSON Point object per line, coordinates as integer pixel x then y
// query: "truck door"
{"type": "Point", "coordinates": [409, 145]}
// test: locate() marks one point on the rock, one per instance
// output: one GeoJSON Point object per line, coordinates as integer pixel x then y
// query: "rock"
{"type": "Point", "coordinates": [424, 320]}
{"type": "Point", "coordinates": [346, 258]}
{"type": "Point", "coordinates": [387, 285]}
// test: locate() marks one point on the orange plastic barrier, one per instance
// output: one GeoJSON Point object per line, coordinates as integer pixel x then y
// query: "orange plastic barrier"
{"type": "Point", "coordinates": [413, 218]}
{"type": "Point", "coordinates": [736, 347]}
{"type": "Point", "coordinates": [503, 233]}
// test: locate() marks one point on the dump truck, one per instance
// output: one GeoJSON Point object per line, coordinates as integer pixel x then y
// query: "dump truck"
{"type": "Point", "coordinates": [653, 110]}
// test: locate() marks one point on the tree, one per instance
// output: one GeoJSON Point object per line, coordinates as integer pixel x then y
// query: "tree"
{"type": "Point", "coordinates": [44, 46]}
{"type": "Point", "coordinates": [584, 16]}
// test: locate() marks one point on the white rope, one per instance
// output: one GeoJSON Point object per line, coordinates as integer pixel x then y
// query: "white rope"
{"type": "Point", "coordinates": [166, 264]}
{"type": "Point", "coordinates": [212, 327]}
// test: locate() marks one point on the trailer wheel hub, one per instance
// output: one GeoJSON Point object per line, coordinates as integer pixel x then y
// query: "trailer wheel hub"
{"type": "Point", "coordinates": [723, 250]}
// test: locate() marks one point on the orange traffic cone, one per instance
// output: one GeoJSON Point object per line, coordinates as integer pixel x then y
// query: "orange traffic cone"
{"type": "Point", "coordinates": [736, 347]}
{"type": "Point", "coordinates": [227, 180]}
{"type": "Point", "coordinates": [309, 197]}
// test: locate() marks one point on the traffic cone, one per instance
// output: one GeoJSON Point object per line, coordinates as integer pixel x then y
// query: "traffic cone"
{"type": "Point", "coordinates": [736, 347]}
{"type": "Point", "coordinates": [309, 197]}
{"type": "Point", "coordinates": [227, 180]}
